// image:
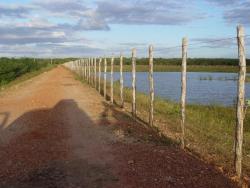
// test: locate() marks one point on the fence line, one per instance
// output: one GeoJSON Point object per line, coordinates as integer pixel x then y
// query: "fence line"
{"type": "Point", "coordinates": [238, 140]}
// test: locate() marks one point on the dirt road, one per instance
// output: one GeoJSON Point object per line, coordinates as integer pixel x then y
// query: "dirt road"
{"type": "Point", "coordinates": [56, 132]}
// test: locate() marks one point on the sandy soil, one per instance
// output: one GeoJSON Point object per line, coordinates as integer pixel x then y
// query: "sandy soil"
{"type": "Point", "coordinates": [56, 132]}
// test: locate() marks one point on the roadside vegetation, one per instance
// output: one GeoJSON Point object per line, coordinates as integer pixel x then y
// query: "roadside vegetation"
{"type": "Point", "coordinates": [247, 78]}
{"type": "Point", "coordinates": [210, 129]}
{"type": "Point", "coordinates": [24, 68]}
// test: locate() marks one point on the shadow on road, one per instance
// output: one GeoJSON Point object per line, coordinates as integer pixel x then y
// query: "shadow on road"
{"type": "Point", "coordinates": [41, 156]}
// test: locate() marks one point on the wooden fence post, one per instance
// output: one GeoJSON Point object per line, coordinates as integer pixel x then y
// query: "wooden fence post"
{"type": "Point", "coordinates": [112, 80]}
{"type": "Point", "coordinates": [99, 76]}
{"type": "Point", "coordinates": [90, 80]}
{"type": "Point", "coordinates": [84, 64]}
{"type": "Point", "coordinates": [240, 102]}
{"type": "Point", "coordinates": [78, 68]}
{"type": "Point", "coordinates": [134, 83]}
{"type": "Point", "coordinates": [92, 69]}
{"type": "Point", "coordinates": [105, 79]}
{"type": "Point", "coordinates": [81, 68]}
{"type": "Point", "coordinates": [86, 69]}
{"type": "Point", "coordinates": [183, 90]}
{"type": "Point", "coordinates": [121, 81]}
{"type": "Point", "coordinates": [95, 71]}
{"type": "Point", "coordinates": [89, 71]}
{"type": "Point", "coordinates": [151, 86]}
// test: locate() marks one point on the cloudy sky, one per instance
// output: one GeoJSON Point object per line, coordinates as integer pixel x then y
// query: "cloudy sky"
{"type": "Point", "coordinates": [64, 28]}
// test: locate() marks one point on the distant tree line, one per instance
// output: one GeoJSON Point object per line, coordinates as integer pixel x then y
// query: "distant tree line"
{"type": "Point", "coordinates": [191, 61]}
{"type": "Point", "coordinates": [11, 68]}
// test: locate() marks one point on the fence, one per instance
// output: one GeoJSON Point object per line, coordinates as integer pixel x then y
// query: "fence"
{"type": "Point", "coordinates": [88, 71]}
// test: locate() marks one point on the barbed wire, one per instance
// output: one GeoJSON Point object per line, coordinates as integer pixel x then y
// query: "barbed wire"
{"type": "Point", "coordinates": [191, 46]}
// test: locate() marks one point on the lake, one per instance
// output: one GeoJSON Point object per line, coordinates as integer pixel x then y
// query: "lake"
{"type": "Point", "coordinates": [202, 87]}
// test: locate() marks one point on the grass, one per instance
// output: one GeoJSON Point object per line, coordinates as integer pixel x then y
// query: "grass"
{"type": "Point", "coordinates": [247, 78]}
{"type": "Point", "coordinates": [27, 76]}
{"type": "Point", "coordinates": [209, 129]}
{"type": "Point", "coordinates": [13, 68]}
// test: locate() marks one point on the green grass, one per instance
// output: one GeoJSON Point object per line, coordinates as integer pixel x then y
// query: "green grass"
{"type": "Point", "coordinates": [209, 129]}
{"type": "Point", "coordinates": [247, 78]}
{"type": "Point", "coordinates": [26, 76]}
{"type": "Point", "coordinates": [12, 68]}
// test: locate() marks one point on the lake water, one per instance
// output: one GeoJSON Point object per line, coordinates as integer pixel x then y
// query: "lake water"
{"type": "Point", "coordinates": [202, 88]}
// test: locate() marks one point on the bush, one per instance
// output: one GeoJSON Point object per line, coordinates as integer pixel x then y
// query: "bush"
{"type": "Point", "coordinates": [11, 68]}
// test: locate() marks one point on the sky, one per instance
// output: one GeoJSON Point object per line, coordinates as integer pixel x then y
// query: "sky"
{"type": "Point", "coordinates": [81, 28]}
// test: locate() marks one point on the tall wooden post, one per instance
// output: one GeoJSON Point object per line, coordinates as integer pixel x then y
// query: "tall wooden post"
{"type": "Point", "coordinates": [99, 76]}
{"type": "Point", "coordinates": [95, 71]}
{"type": "Point", "coordinates": [78, 68]}
{"type": "Point", "coordinates": [105, 80]}
{"type": "Point", "coordinates": [80, 64]}
{"type": "Point", "coordinates": [151, 86]}
{"type": "Point", "coordinates": [83, 73]}
{"type": "Point", "coordinates": [183, 90]}
{"type": "Point", "coordinates": [112, 80]}
{"type": "Point", "coordinates": [92, 70]}
{"type": "Point", "coordinates": [89, 72]}
{"type": "Point", "coordinates": [121, 81]}
{"type": "Point", "coordinates": [84, 69]}
{"type": "Point", "coordinates": [81, 68]}
{"type": "Point", "coordinates": [134, 83]}
{"type": "Point", "coordinates": [240, 102]}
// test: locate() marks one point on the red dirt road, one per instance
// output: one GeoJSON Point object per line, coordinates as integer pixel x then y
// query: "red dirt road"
{"type": "Point", "coordinates": [58, 133]}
